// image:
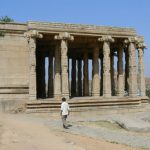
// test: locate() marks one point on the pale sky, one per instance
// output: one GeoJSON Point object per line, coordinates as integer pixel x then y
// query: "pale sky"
{"type": "Point", "coordinates": [120, 13]}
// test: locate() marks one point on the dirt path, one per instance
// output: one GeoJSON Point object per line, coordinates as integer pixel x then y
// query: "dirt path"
{"type": "Point", "coordinates": [22, 134]}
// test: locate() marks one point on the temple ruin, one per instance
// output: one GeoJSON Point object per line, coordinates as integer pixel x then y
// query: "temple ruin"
{"type": "Point", "coordinates": [70, 49]}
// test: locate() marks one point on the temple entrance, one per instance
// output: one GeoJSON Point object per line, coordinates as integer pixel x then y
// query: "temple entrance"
{"type": "Point", "coordinates": [83, 68]}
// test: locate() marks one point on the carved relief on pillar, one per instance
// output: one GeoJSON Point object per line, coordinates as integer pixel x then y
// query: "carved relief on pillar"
{"type": "Point", "coordinates": [64, 38]}
{"type": "Point", "coordinates": [57, 78]}
{"type": "Point", "coordinates": [120, 77]}
{"type": "Point", "coordinates": [96, 78]}
{"type": "Point", "coordinates": [106, 64]}
{"type": "Point", "coordinates": [31, 36]}
{"type": "Point", "coordinates": [141, 78]}
{"type": "Point", "coordinates": [106, 52]}
{"type": "Point", "coordinates": [132, 41]}
{"type": "Point", "coordinates": [141, 46]}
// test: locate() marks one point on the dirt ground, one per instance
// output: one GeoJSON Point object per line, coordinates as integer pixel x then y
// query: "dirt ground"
{"type": "Point", "coordinates": [22, 134]}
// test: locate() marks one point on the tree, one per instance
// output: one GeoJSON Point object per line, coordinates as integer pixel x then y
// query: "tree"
{"type": "Point", "coordinates": [3, 20]}
{"type": "Point", "coordinates": [6, 19]}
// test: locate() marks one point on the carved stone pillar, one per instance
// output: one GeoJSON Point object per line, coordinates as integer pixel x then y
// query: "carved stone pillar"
{"type": "Point", "coordinates": [73, 81]}
{"type": "Point", "coordinates": [31, 38]}
{"type": "Point", "coordinates": [85, 72]}
{"type": "Point", "coordinates": [57, 78]}
{"type": "Point", "coordinates": [64, 37]}
{"type": "Point", "coordinates": [112, 75]}
{"type": "Point", "coordinates": [127, 70]}
{"type": "Point", "coordinates": [96, 78]}
{"type": "Point", "coordinates": [120, 78]}
{"type": "Point", "coordinates": [132, 67]}
{"type": "Point", "coordinates": [79, 77]}
{"type": "Point", "coordinates": [141, 77]}
{"type": "Point", "coordinates": [101, 81]}
{"type": "Point", "coordinates": [50, 77]}
{"type": "Point", "coordinates": [64, 69]}
{"type": "Point", "coordinates": [106, 65]}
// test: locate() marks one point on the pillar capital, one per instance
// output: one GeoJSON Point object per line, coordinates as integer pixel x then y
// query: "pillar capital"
{"type": "Point", "coordinates": [33, 34]}
{"type": "Point", "coordinates": [106, 38]}
{"type": "Point", "coordinates": [134, 40]}
{"type": "Point", "coordinates": [64, 36]}
{"type": "Point", "coordinates": [141, 45]}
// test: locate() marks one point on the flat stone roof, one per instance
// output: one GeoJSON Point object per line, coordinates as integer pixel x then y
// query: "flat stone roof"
{"type": "Point", "coordinates": [80, 29]}
{"type": "Point", "coordinates": [74, 29]}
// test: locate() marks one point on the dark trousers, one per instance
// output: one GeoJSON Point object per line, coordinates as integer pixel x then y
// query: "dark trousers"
{"type": "Point", "coordinates": [64, 117]}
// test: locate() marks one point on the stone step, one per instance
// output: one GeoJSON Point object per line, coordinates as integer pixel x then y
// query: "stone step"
{"type": "Point", "coordinates": [80, 103]}
{"type": "Point", "coordinates": [51, 105]}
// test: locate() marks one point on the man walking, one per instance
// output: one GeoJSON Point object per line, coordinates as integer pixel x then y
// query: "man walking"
{"type": "Point", "coordinates": [64, 112]}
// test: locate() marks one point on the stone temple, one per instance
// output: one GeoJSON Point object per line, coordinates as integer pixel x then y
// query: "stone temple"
{"type": "Point", "coordinates": [69, 49]}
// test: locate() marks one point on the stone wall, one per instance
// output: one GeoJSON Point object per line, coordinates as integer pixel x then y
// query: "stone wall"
{"type": "Point", "coordinates": [13, 69]}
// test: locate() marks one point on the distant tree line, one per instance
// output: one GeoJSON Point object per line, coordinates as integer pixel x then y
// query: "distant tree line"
{"type": "Point", "coordinates": [5, 19]}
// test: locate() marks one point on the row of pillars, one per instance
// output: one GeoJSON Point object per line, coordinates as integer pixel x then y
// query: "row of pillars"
{"type": "Point", "coordinates": [61, 80]}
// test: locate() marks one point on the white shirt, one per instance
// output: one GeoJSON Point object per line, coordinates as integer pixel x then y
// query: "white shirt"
{"type": "Point", "coordinates": [64, 108]}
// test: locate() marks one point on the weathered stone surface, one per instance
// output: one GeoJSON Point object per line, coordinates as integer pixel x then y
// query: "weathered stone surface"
{"type": "Point", "coordinates": [106, 65]}
{"type": "Point", "coordinates": [81, 29]}
{"type": "Point", "coordinates": [31, 39]}
{"type": "Point", "coordinates": [96, 78]}
{"type": "Point", "coordinates": [57, 78]}
{"type": "Point", "coordinates": [141, 76]}
{"type": "Point", "coordinates": [120, 77]}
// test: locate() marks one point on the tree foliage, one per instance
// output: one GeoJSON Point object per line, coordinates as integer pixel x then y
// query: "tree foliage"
{"type": "Point", "coordinates": [6, 19]}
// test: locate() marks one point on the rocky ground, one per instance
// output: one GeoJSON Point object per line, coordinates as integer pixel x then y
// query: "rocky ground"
{"type": "Point", "coordinates": [88, 131]}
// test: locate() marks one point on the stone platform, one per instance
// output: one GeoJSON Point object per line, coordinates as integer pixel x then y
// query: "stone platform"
{"type": "Point", "coordinates": [83, 103]}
